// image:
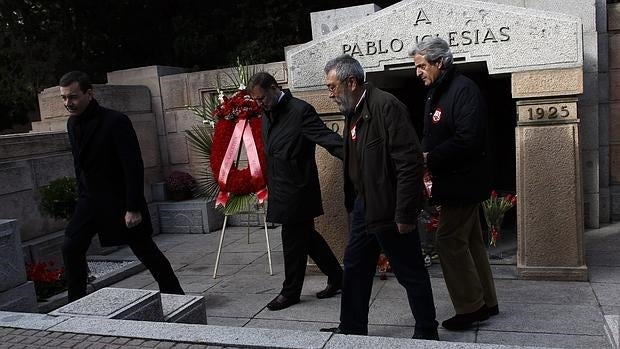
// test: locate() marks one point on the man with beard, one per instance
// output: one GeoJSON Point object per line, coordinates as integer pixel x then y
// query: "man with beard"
{"type": "Point", "coordinates": [291, 130]}
{"type": "Point", "coordinates": [454, 151]}
{"type": "Point", "coordinates": [383, 190]}
{"type": "Point", "coordinates": [110, 176]}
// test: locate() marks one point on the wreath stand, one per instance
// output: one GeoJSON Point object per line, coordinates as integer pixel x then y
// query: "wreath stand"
{"type": "Point", "coordinates": [219, 249]}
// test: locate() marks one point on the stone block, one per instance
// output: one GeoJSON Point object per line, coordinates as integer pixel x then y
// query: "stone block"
{"type": "Point", "coordinates": [590, 168]}
{"type": "Point", "coordinates": [591, 209]}
{"type": "Point", "coordinates": [178, 150]}
{"type": "Point", "coordinates": [604, 166]}
{"type": "Point", "coordinates": [603, 52]}
{"type": "Point", "coordinates": [614, 163]}
{"type": "Point", "coordinates": [124, 98]}
{"type": "Point", "coordinates": [613, 17]}
{"type": "Point", "coordinates": [158, 191]}
{"type": "Point", "coordinates": [33, 144]}
{"type": "Point", "coordinates": [550, 245]}
{"type": "Point", "coordinates": [174, 92]}
{"type": "Point", "coordinates": [319, 99]}
{"type": "Point", "coordinates": [21, 298]}
{"type": "Point", "coordinates": [614, 50]}
{"type": "Point", "coordinates": [13, 271]}
{"type": "Point", "coordinates": [52, 167]}
{"type": "Point", "coordinates": [58, 124]}
{"type": "Point", "coordinates": [588, 126]}
{"type": "Point", "coordinates": [26, 207]}
{"type": "Point", "coordinates": [601, 16]}
{"type": "Point", "coordinates": [586, 10]}
{"type": "Point", "coordinates": [590, 90]}
{"type": "Point", "coordinates": [246, 220]}
{"type": "Point", "coordinates": [46, 248]}
{"type": "Point", "coordinates": [146, 76]}
{"type": "Point", "coordinates": [50, 104]}
{"type": "Point", "coordinates": [190, 217]}
{"type": "Point", "coordinates": [590, 52]}
{"type": "Point", "coordinates": [116, 303]}
{"type": "Point", "coordinates": [614, 84]}
{"type": "Point", "coordinates": [146, 131]}
{"type": "Point", "coordinates": [184, 309]}
{"type": "Point", "coordinates": [326, 22]}
{"type": "Point", "coordinates": [612, 330]}
{"type": "Point", "coordinates": [16, 176]}
{"type": "Point", "coordinates": [603, 89]}
{"type": "Point", "coordinates": [541, 83]}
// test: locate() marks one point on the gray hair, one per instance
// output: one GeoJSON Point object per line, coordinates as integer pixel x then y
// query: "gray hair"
{"type": "Point", "coordinates": [434, 50]}
{"type": "Point", "coordinates": [346, 66]}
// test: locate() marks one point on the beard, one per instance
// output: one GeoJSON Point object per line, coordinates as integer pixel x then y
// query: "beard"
{"type": "Point", "coordinates": [345, 103]}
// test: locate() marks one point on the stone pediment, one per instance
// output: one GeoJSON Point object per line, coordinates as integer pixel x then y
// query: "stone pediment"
{"type": "Point", "coordinates": [508, 38]}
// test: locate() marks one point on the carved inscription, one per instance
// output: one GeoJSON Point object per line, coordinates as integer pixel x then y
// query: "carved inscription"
{"type": "Point", "coordinates": [478, 36]}
{"type": "Point", "coordinates": [547, 112]}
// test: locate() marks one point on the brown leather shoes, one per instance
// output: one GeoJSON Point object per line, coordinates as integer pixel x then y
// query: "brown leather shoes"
{"type": "Point", "coordinates": [281, 302]}
{"type": "Point", "coordinates": [329, 291]}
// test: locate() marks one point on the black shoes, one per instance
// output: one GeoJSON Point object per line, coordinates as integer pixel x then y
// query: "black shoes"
{"type": "Point", "coordinates": [329, 291]}
{"type": "Point", "coordinates": [281, 302]}
{"type": "Point", "coordinates": [340, 330]}
{"type": "Point", "coordinates": [494, 310]}
{"type": "Point", "coordinates": [464, 321]}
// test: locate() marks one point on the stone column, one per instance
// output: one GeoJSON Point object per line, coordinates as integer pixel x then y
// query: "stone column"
{"type": "Point", "coordinates": [549, 178]}
{"type": "Point", "coordinates": [16, 294]}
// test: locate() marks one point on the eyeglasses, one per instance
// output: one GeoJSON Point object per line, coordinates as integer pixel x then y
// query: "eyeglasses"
{"type": "Point", "coordinates": [332, 88]}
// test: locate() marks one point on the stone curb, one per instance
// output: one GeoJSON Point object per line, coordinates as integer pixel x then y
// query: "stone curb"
{"type": "Point", "coordinates": [221, 335]}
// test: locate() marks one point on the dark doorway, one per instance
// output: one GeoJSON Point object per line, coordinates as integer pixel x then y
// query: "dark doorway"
{"type": "Point", "coordinates": [402, 82]}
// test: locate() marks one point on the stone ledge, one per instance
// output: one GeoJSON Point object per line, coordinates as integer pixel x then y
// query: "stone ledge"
{"type": "Point", "coordinates": [222, 335]}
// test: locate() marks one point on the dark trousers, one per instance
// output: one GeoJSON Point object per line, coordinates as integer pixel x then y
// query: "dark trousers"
{"type": "Point", "coordinates": [300, 240]}
{"type": "Point", "coordinates": [76, 244]}
{"type": "Point", "coordinates": [360, 264]}
{"type": "Point", "coordinates": [464, 259]}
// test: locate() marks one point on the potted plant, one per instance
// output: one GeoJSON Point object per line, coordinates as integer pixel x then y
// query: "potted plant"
{"type": "Point", "coordinates": [180, 185]}
{"type": "Point", "coordinates": [58, 198]}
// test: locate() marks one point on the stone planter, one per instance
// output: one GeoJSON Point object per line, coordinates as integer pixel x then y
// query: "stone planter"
{"type": "Point", "coordinates": [194, 216]}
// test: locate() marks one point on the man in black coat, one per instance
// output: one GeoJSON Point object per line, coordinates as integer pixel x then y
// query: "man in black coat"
{"type": "Point", "coordinates": [291, 129]}
{"type": "Point", "coordinates": [383, 190]}
{"type": "Point", "coordinates": [110, 176]}
{"type": "Point", "coordinates": [454, 152]}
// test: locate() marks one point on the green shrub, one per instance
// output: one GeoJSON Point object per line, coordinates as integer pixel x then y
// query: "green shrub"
{"type": "Point", "coordinates": [59, 197]}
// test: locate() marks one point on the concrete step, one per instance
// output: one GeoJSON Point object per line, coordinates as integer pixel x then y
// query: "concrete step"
{"type": "Point", "coordinates": [184, 309]}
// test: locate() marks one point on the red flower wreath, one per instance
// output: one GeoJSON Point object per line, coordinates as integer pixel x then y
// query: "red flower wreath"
{"type": "Point", "coordinates": [238, 108]}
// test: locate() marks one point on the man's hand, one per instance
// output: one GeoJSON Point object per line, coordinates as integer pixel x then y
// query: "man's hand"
{"type": "Point", "coordinates": [132, 219]}
{"type": "Point", "coordinates": [404, 228]}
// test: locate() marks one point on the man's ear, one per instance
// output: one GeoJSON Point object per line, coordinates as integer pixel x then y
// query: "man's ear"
{"type": "Point", "coordinates": [89, 92]}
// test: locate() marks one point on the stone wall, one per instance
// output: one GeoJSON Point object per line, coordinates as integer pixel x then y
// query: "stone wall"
{"type": "Point", "coordinates": [613, 12]}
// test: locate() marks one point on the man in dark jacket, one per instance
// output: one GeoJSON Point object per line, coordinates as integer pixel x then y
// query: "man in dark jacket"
{"type": "Point", "coordinates": [291, 130]}
{"type": "Point", "coordinates": [383, 190]}
{"type": "Point", "coordinates": [110, 176]}
{"type": "Point", "coordinates": [453, 146]}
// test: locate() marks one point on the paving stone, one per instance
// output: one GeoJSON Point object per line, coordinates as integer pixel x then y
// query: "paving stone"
{"type": "Point", "coordinates": [547, 292]}
{"type": "Point", "coordinates": [227, 321]}
{"type": "Point", "coordinates": [290, 324]}
{"type": "Point", "coordinates": [607, 294]}
{"type": "Point", "coordinates": [547, 318]}
{"type": "Point", "coordinates": [309, 309]}
{"type": "Point", "coordinates": [255, 283]}
{"type": "Point", "coordinates": [239, 304]}
{"type": "Point", "coordinates": [541, 339]}
{"type": "Point", "coordinates": [29, 321]}
{"type": "Point", "coordinates": [604, 274]}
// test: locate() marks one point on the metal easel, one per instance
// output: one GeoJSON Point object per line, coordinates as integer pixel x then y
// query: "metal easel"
{"type": "Point", "coordinates": [219, 249]}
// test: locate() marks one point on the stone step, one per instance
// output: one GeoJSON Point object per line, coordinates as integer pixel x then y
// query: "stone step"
{"type": "Point", "coordinates": [116, 303]}
{"type": "Point", "coordinates": [184, 309]}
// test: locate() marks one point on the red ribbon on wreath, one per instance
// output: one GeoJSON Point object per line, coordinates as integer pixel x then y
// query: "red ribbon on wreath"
{"type": "Point", "coordinates": [228, 135]}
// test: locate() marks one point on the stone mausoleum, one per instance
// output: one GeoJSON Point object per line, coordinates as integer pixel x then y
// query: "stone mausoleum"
{"type": "Point", "coordinates": [549, 70]}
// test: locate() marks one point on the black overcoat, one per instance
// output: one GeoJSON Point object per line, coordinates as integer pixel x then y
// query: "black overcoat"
{"type": "Point", "coordinates": [455, 123]}
{"type": "Point", "coordinates": [110, 175]}
{"type": "Point", "coordinates": [290, 133]}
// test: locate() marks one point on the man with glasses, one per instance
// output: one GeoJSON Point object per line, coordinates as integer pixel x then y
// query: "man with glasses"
{"type": "Point", "coordinates": [291, 130]}
{"type": "Point", "coordinates": [383, 189]}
